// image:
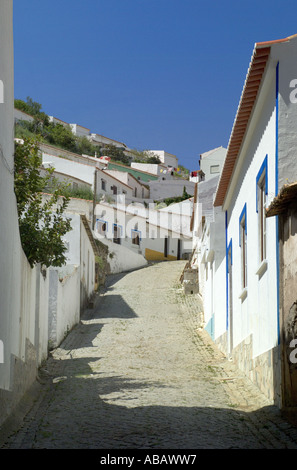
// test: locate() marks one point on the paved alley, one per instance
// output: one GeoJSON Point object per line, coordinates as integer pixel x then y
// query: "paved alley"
{"type": "Point", "coordinates": [137, 373]}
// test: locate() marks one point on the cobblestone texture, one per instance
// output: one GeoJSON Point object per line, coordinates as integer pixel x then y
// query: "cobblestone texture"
{"type": "Point", "coordinates": [139, 373]}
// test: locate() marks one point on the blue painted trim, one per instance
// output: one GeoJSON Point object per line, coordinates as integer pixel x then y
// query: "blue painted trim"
{"type": "Point", "coordinates": [227, 287]}
{"type": "Point", "coordinates": [276, 127]}
{"type": "Point", "coordinates": [243, 214]}
{"type": "Point", "coordinates": [264, 167]}
{"type": "Point", "coordinates": [276, 192]}
{"type": "Point", "coordinates": [228, 249]}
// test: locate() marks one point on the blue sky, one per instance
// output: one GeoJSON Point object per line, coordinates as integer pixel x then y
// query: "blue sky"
{"type": "Point", "coordinates": [155, 74]}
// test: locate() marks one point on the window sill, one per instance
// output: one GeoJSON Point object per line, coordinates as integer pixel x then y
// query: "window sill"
{"type": "Point", "coordinates": [262, 268]}
{"type": "Point", "coordinates": [243, 294]}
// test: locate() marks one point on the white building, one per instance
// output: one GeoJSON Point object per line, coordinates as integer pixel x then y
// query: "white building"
{"type": "Point", "coordinates": [211, 162]}
{"type": "Point", "coordinates": [166, 158]}
{"type": "Point", "coordinates": [207, 227]}
{"type": "Point", "coordinates": [155, 234]}
{"type": "Point", "coordinates": [261, 156]}
{"type": "Point", "coordinates": [139, 190]}
{"type": "Point", "coordinates": [159, 170]}
{"type": "Point", "coordinates": [109, 185]}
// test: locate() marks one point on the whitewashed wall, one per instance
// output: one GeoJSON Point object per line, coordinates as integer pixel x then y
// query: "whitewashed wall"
{"type": "Point", "coordinates": [87, 267]}
{"type": "Point", "coordinates": [256, 314]}
{"type": "Point", "coordinates": [286, 54]}
{"type": "Point", "coordinates": [74, 169]}
{"type": "Point", "coordinates": [64, 302]}
{"type": "Point", "coordinates": [167, 158]}
{"type": "Point", "coordinates": [212, 164]}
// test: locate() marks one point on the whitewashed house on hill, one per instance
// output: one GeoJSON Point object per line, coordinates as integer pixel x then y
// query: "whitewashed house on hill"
{"type": "Point", "coordinates": [211, 162]}
{"type": "Point", "coordinates": [166, 158]}
{"type": "Point", "coordinates": [155, 234]}
{"type": "Point", "coordinates": [139, 190]}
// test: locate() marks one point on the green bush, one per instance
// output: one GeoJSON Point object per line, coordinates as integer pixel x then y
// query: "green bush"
{"type": "Point", "coordinates": [42, 224]}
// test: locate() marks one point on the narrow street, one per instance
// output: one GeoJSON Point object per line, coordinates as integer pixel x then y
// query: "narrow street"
{"type": "Point", "coordinates": [136, 373]}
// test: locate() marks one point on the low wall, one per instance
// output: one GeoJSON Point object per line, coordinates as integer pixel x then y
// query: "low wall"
{"type": "Point", "coordinates": [25, 334]}
{"type": "Point", "coordinates": [120, 258]}
{"type": "Point", "coordinates": [64, 303]}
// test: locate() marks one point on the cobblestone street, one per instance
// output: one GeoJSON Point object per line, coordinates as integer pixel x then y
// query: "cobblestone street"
{"type": "Point", "coordinates": [137, 373]}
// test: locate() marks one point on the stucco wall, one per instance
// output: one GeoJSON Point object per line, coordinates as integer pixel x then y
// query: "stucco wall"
{"type": "Point", "coordinates": [78, 170]}
{"type": "Point", "coordinates": [87, 267]}
{"type": "Point", "coordinates": [209, 162]}
{"type": "Point", "coordinates": [17, 296]}
{"type": "Point", "coordinates": [257, 313]}
{"type": "Point", "coordinates": [64, 302]}
{"type": "Point", "coordinates": [286, 54]}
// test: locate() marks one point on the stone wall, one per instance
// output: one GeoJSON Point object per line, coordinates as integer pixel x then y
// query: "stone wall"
{"type": "Point", "coordinates": [263, 370]}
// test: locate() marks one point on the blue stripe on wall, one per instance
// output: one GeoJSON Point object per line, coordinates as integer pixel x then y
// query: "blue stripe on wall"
{"type": "Point", "coordinates": [276, 192]}
{"type": "Point", "coordinates": [227, 294]}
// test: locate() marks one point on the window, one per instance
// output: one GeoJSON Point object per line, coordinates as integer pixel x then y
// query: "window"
{"type": "Point", "coordinates": [243, 247]}
{"type": "Point", "coordinates": [261, 190]}
{"type": "Point", "coordinates": [114, 189]}
{"type": "Point", "coordinates": [135, 192]}
{"type": "Point", "coordinates": [103, 185]}
{"type": "Point", "coordinates": [215, 169]}
{"type": "Point", "coordinates": [101, 227]}
{"type": "Point", "coordinates": [136, 237]}
{"type": "Point", "coordinates": [117, 230]}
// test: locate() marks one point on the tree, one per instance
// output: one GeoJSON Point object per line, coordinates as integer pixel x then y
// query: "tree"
{"type": "Point", "coordinates": [42, 224]}
{"type": "Point", "coordinates": [116, 153]}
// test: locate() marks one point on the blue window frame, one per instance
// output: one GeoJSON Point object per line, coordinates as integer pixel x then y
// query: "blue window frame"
{"type": "Point", "coordinates": [262, 178]}
{"type": "Point", "coordinates": [135, 236]}
{"type": "Point", "coordinates": [102, 226]}
{"type": "Point", "coordinates": [243, 245]}
{"type": "Point", "coordinates": [261, 195]}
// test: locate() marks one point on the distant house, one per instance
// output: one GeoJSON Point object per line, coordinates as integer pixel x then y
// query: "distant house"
{"type": "Point", "coordinates": [211, 162]}
{"type": "Point", "coordinates": [166, 158]}
{"type": "Point", "coordinates": [108, 185]}
{"type": "Point", "coordinates": [162, 171]}
{"type": "Point", "coordinates": [139, 191]}
{"type": "Point", "coordinates": [156, 234]}
{"type": "Point", "coordinates": [140, 175]}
